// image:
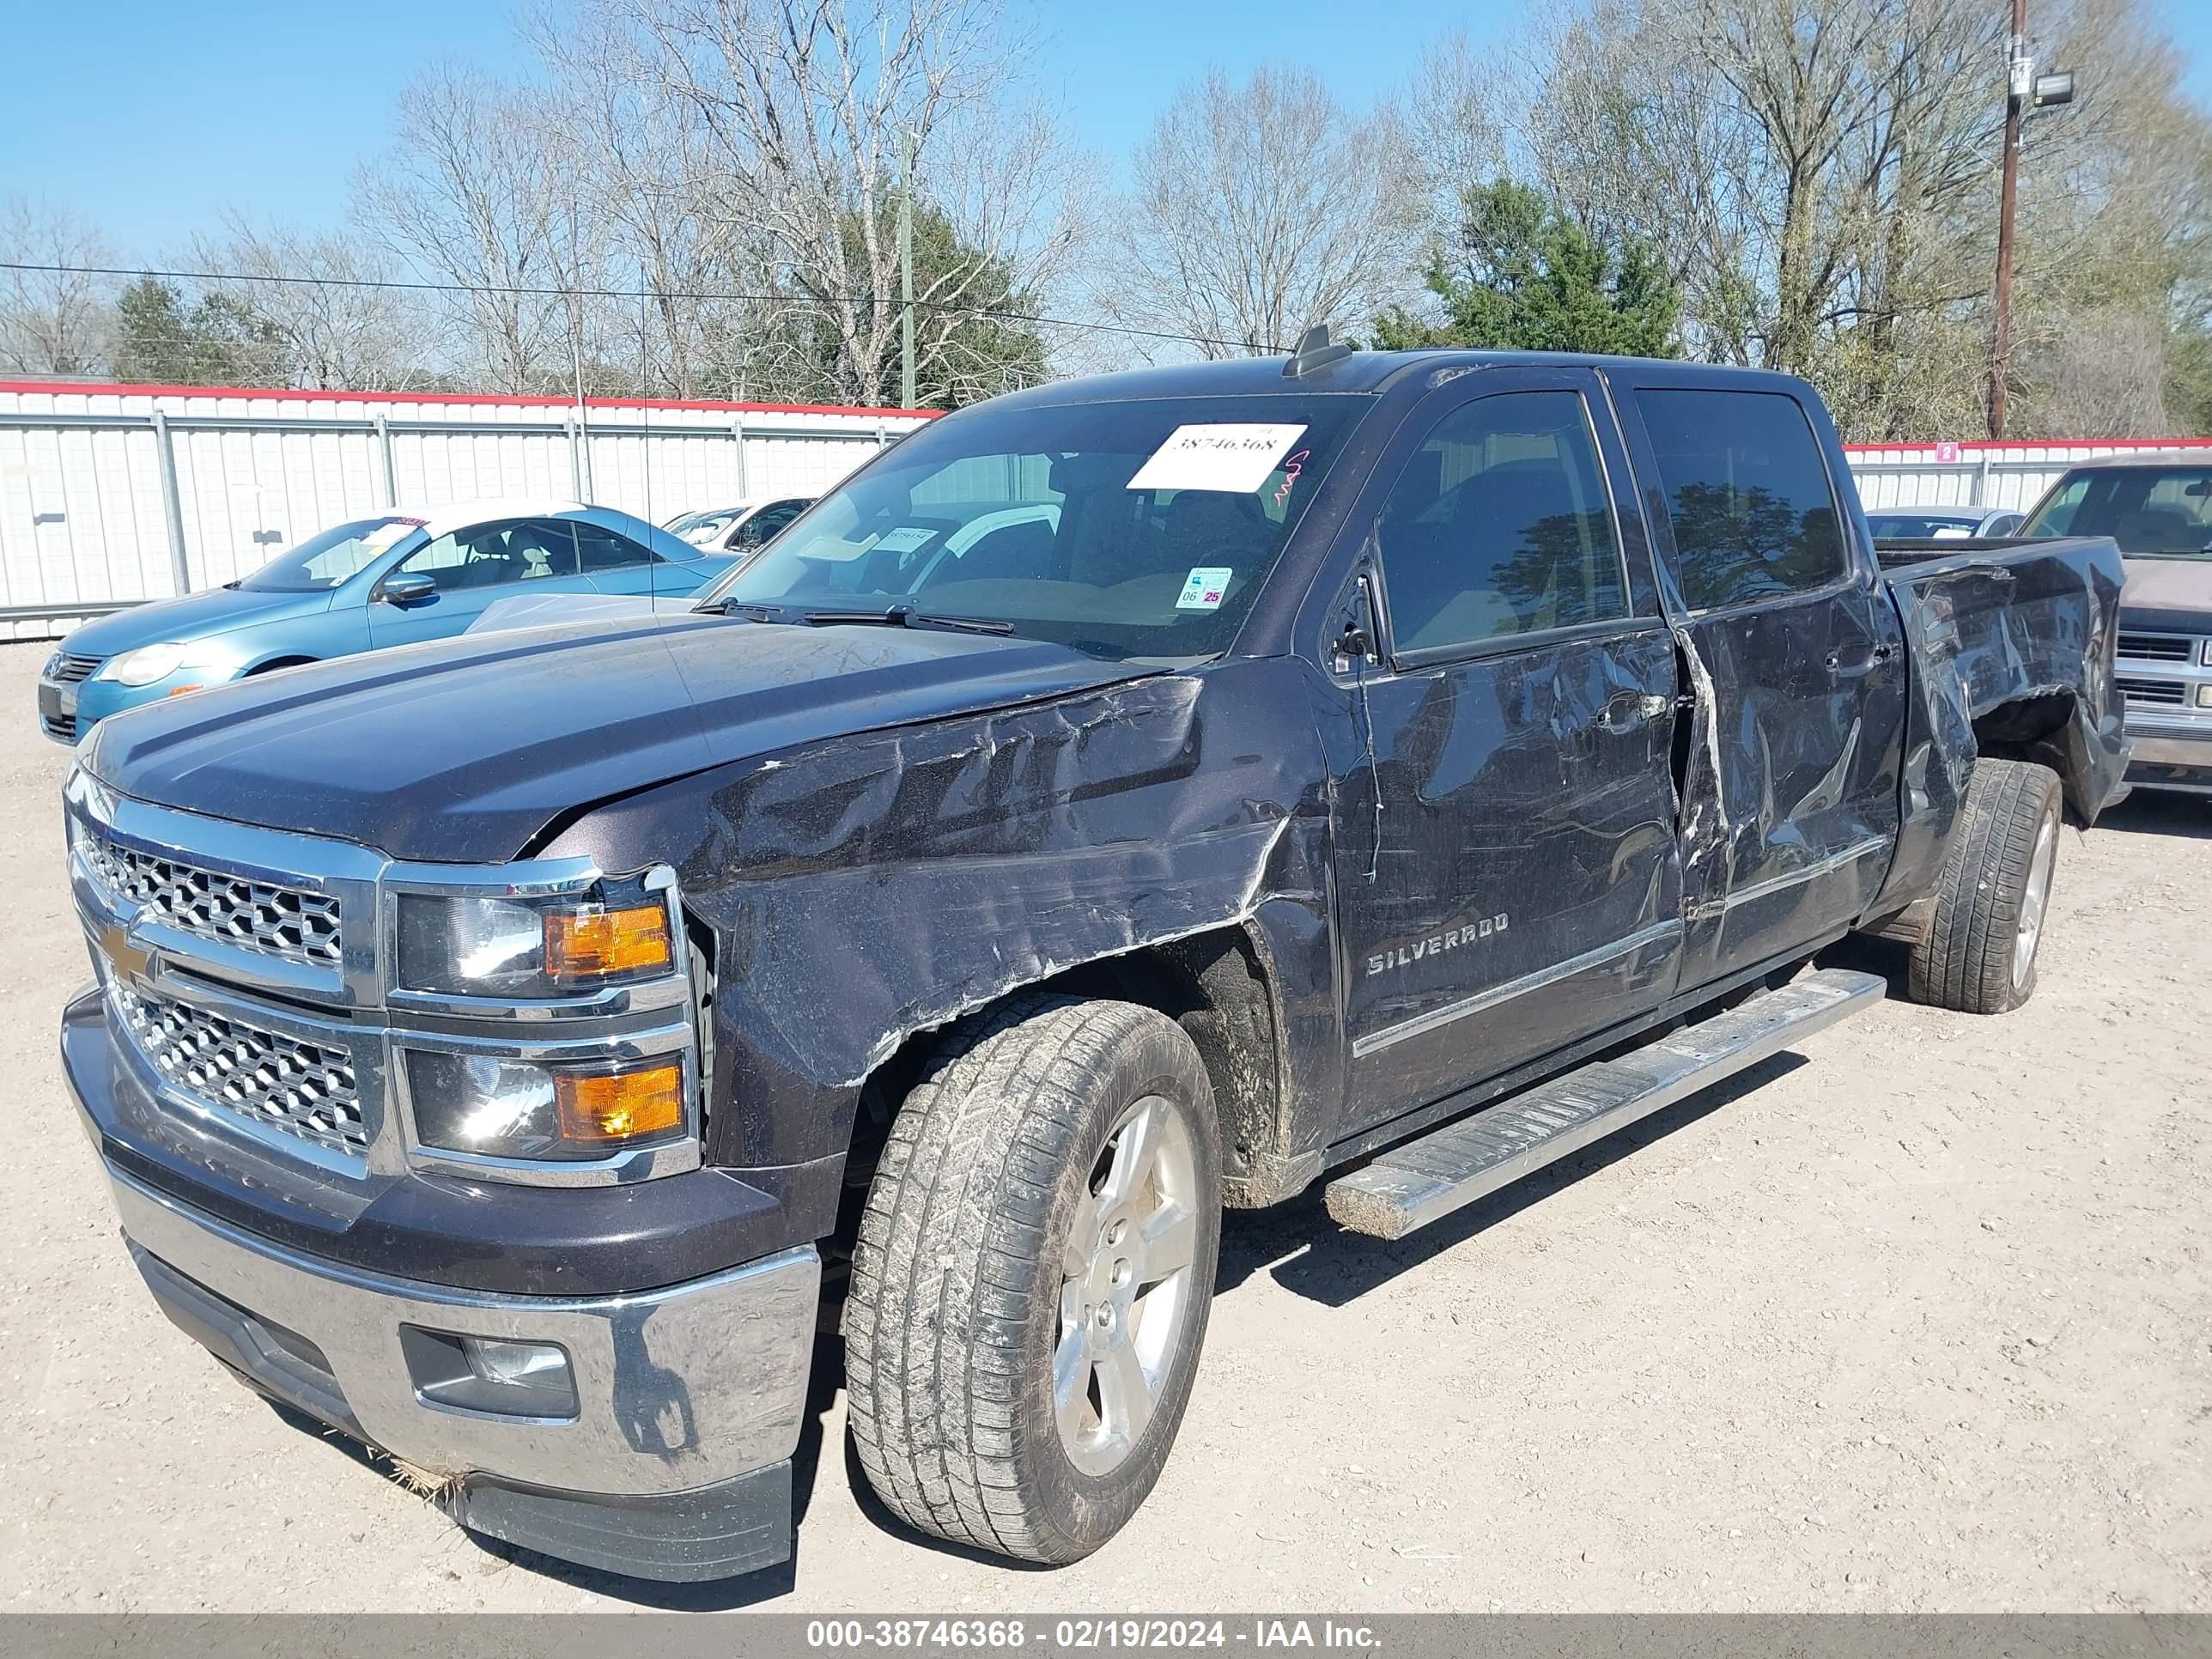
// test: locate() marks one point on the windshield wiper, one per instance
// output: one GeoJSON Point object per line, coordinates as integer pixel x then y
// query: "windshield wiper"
{"type": "Point", "coordinates": [905, 615]}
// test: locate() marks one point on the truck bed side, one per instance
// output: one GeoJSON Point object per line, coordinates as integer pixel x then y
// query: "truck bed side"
{"type": "Point", "coordinates": [2011, 645]}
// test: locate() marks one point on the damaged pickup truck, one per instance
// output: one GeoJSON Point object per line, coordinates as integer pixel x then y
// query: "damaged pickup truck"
{"type": "Point", "coordinates": [1118, 800]}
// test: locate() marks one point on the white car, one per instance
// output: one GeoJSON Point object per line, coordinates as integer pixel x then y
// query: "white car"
{"type": "Point", "coordinates": [740, 528]}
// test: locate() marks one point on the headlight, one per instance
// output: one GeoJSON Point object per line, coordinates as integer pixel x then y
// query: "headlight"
{"type": "Point", "coordinates": [145, 665]}
{"type": "Point", "coordinates": [467, 945]}
{"type": "Point", "coordinates": [494, 1107]}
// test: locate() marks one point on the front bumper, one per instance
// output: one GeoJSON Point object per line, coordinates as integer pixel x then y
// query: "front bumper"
{"type": "Point", "coordinates": [2174, 755]}
{"type": "Point", "coordinates": [689, 1399]}
{"type": "Point", "coordinates": [674, 1464]}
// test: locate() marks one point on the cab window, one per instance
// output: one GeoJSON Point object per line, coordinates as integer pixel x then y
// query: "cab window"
{"type": "Point", "coordinates": [1747, 494]}
{"type": "Point", "coordinates": [1500, 526]}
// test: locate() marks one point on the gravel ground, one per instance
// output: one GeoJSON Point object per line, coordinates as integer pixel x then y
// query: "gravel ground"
{"type": "Point", "coordinates": [1918, 1321]}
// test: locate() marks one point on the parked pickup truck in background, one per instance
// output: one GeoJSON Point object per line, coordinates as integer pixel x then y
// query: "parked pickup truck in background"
{"type": "Point", "coordinates": [1393, 770]}
{"type": "Point", "coordinates": [2158, 507]}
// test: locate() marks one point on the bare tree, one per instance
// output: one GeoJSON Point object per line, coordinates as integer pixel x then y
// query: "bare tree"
{"type": "Point", "coordinates": [1824, 176]}
{"type": "Point", "coordinates": [1262, 210]}
{"type": "Point", "coordinates": [327, 321]}
{"type": "Point", "coordinates": [483, 192]}
{"type": "Point", "coordinates": [53, 321]}
{"type": "Point", "coordinates": [803, 107]}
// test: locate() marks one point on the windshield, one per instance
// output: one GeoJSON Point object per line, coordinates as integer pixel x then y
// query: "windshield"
{"type": "Point", "coordinates": [1139, 529]}
{"type": "Point", "coordinates": [322, 561]}
{"type": "Point", "coordinates": [2152, 512]}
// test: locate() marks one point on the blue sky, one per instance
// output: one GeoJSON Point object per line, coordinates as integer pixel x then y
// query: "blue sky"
{"type": "Point", "coordinates": [151, 118]}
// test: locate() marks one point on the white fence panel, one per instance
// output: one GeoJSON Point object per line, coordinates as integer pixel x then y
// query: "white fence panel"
{"type": "Point", "coordinates": [114, 494]}
{"type": "Point", "coordinates": [1991, 475]}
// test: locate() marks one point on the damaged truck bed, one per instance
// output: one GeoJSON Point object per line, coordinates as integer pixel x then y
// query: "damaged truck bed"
{"type": "Point", "coordinates": [1118, 800]}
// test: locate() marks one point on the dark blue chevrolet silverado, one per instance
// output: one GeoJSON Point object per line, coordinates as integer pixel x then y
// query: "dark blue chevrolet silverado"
{"type": "Point", "coordinates": [1118, 800]}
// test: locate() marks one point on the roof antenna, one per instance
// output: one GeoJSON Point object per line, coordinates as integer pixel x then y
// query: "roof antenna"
{"type": "Point", "coordinates": [1313, 352]}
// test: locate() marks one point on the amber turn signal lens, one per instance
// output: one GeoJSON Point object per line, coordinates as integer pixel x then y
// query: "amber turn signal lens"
{"type": "Point", "coordinates": [622, 1107]}
{"type": "Point", "coordinates": [596, 943]}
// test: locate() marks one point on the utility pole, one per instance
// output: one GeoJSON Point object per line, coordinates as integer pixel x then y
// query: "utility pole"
{"type": "Point", "coordinates": [2018, 71]}
{"type": "Point", "coordinates": [906, 269]}
{"type": "Point", "coordinates": [2025, 91]}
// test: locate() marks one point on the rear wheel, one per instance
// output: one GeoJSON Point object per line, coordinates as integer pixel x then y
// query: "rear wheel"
{"type": "Point", "coordinates": [1032, 1277]}
{"type": "Point", "coordinates": [1994, 895]}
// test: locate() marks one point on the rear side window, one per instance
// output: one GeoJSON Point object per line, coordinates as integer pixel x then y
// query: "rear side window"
{"type": "Point", "coordinates": [603, 550]}
{"type": "Point", "coordinates": [1500, 526]}
{"type": "Point", "coordinates": [1753, 515]}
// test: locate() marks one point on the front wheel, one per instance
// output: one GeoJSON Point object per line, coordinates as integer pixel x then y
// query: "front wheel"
{"type": "Point", "coordinates": [1978, 954]}
{"type": "Point", "coordinates": [1032, 1277]}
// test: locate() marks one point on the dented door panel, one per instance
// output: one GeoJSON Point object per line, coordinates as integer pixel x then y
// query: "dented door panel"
{"type": "Point", "coordinates": [1518, 887]}
{"type": "Point", "coordinates": [1790, 808]}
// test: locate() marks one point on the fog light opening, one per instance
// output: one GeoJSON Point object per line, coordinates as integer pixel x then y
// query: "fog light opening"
{"type": "Point", "coordinates": [490, 1377]}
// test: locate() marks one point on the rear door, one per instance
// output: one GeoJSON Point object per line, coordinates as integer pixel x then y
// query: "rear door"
{"type": "Point", "coordinates": [1505, 866]}
{"type": "Point", "coordinates": [1793, 653]}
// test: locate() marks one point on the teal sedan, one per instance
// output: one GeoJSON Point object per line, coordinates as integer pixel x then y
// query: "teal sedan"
{"type": "Point", "coordinates": [384, 579]}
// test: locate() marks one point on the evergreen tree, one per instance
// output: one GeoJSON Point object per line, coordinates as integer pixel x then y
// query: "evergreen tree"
{"type": "Point", "coordinates": [1526, 277]}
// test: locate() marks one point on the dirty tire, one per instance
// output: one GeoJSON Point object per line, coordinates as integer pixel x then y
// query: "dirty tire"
{"type": "Point", "coordinates": [955, 1312]}
{"type": "Point", "coordinates": [2009, 831]}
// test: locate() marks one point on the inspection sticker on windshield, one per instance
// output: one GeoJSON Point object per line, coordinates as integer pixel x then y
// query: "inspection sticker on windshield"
{"type": "Point", "coordinates": [1203, 588]}
{"type": "Point", "coordinates": [1236, 457]}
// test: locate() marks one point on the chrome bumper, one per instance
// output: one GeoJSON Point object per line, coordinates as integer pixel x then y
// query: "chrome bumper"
{"type": "Point", "coordinates": [683, 1394]}
{"type": "Point", "coordinates": [2172, 753]}
{"type": "Point", "coordinates": [2169, 748]}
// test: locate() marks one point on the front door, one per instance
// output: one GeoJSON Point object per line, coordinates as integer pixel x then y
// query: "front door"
{"type": "Point", "coordinates": [1795, 650]}
{"type": "Point", "coordinates": [1505, 861]}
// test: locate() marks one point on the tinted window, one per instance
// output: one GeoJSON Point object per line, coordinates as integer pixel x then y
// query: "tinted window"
{"type": "Point", "coordinates": [765, 523]}
{"type": "Point", "coordinates": [1915, 527]}
{"type": "Point", "coordinates": [602, 550]}
{"type": "Point", "coordinates": [1142, 528]}
{"type": "Point", "coordinates": [1752, 512]}
{"type": "Point", "coordinates": [491, 555]}
{"type": "Point", "coordinates": [2151, 512]}
{"type": "Point", "coordinates": [1499, 526]}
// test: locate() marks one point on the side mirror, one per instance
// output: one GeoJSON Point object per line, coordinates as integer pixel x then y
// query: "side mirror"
{"type": "Point", "coordinates": [407, 587]}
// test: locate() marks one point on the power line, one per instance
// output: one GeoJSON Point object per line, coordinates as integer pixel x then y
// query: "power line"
{"type": "Point", "coordinates": [996, 313]}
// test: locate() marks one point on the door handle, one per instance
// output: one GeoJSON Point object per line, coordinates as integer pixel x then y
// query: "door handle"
{"type": "Point", "coordinates": [1627, 711]}
{"type": "Point", "coordinates": [1860, 656]}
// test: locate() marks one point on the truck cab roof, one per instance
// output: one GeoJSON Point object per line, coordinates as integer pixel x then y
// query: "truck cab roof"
{"type": "Point", "coordinates": [1370, 373]}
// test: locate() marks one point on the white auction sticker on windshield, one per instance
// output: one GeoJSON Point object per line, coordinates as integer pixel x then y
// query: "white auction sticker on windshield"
{"type": "Point", "coordinates": [1236, 457]}
{"type": "Point", "coordinates": [388, 533]}
{"type": "Point", "coordinates": [901, 541]}
{"type": "Point", "coordinates": [1203, 588]}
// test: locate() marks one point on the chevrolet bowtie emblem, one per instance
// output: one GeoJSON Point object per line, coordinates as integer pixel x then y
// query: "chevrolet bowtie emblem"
{"type": "Point", "coordinates": [129, 958]}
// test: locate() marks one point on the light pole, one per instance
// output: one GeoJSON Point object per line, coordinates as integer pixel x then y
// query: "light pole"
{"type": "Point", "coordinates": [2025, 92]}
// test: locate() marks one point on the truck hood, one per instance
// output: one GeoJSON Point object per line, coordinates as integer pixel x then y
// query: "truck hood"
{"type": "Point", "coordinates": [465, 749]}
{"type": "Point", "coordinates": [2172, 596]}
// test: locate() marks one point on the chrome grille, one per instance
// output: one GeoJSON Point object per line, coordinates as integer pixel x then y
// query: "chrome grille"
{"type": "Point", "coordinates": [256, 915]}
{"type": "Point", "coordinates": [66, 669]}
{"type": "Point", "coordinates": [303, 1089]}
{"type": "Point", "coordinates": [2166, 691]}
{"type": "Point", "coordinates": [2157, 648]}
